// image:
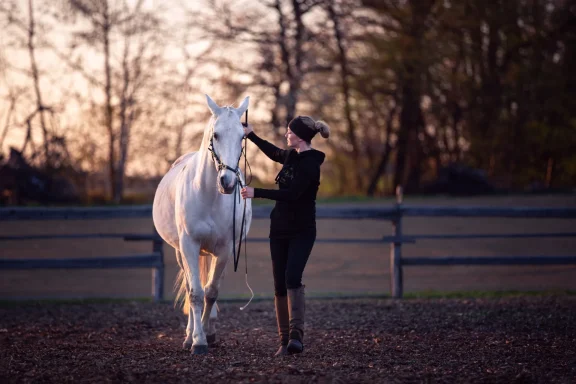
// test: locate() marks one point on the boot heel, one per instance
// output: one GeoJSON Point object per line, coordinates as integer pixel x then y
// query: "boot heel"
{"type": "Point", "coordinates": [295, 346]}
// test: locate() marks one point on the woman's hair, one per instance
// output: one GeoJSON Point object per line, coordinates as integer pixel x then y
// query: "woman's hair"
{"type": "Point", "coordinates": [319, 126]}
{"type": "Point", "coordinates": [323, 128]}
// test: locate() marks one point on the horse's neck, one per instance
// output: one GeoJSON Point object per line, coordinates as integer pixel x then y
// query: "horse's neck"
{"type": "Point", "coordinates": [205, 175]}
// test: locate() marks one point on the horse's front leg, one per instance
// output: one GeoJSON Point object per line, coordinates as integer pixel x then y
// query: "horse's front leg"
{"type": "Point", "coordinates": [191, 251]}
{"type": "Point", "coordinates": [216, 276]}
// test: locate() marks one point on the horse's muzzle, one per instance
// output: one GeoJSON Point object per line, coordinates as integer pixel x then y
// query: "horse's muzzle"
{"type": "Point", "coordinates": [227, 183]}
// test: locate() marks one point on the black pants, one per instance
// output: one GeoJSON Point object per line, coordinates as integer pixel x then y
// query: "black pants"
{"type": "Point", "coordinates": [289, 257]}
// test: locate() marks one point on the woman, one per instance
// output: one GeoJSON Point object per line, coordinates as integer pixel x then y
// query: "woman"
{"type": "Point", "coordinates": [292, 222]}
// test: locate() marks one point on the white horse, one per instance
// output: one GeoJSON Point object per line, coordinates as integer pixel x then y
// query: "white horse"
{"type": "Point", "coordinates": [193, 212]}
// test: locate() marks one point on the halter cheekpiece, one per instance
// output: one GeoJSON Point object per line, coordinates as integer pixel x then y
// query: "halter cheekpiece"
{"type": "Point", "coordinates": [220, 166]}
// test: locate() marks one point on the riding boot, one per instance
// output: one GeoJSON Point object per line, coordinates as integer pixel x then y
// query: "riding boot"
{"type": "Point", "coordinates": [297, 307]}
{"type": "Point", "coordinates": [283, 321]}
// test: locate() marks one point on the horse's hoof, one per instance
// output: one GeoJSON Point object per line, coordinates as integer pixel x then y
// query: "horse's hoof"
{"type": "Point", "coordinates": [211, 339]}
{"type": "Point", "coordinates": [199, 349]}
{"type": "Point", "coordinates": [187, 345]}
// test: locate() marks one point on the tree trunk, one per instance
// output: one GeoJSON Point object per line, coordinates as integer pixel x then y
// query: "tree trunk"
{"type": "Point", "coordinates": [11, 110]}
{"type": "Point", "coordinates": [550, 172]}
{"type": "Point", "coordinates": [409, 156]}
{"type": "Point", "coordinates": [386, 152]}
{"type": "Point", "coordinates": [125, 122]}
{"type": "Point", "coordinates": [295, 74]}
{"type": "Point", "coordinates": [345, 83]}
{"type": "Point", "coordinates": [284, 53]}
{"type": "Point", "coordinates": [108, 103]}
{"type": "Point", "coordinates": [28, 138]}
{"type": "Point", "coordinates": [36, 79]}
{"type": "Point", "coordinates": [275, 113]}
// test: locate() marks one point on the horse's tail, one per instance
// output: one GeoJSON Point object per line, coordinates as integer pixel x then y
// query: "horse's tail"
{"type": "Point", "coordinates": [204, 268]}
{"type": "Point", "coordinates": [180, 288]}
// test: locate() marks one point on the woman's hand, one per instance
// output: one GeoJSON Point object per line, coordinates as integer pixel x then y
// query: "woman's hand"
{"type": "Point", "coordinates": [247, 192]}
{"type": "Point", "coordinates": [247, 129]}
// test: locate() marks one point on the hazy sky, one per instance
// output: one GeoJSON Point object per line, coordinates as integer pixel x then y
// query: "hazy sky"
{"type": "Point", "coordinates": [60, 84]}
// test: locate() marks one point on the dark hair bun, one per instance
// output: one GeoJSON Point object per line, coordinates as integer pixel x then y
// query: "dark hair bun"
{"type": "Point", "coordinates": [323, 128]}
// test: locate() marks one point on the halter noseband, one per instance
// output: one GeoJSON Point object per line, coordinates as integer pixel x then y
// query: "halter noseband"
{"type": "Point", "coordinates": [220, 166]}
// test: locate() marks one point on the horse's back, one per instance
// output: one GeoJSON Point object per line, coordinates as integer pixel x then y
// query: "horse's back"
{"type": "Point", "coordinates": [164, 201]}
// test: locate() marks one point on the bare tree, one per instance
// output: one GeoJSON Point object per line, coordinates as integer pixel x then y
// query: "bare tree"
{"type": "Point", "coordinates": [346, 89]}
{"type": "Point", "coordinates": [277, 32]}
{"type": "Point", "coordinates": [135, 30]}
{"type": "Point", "coordinates": [12, 100]}
{"type": "Point", "coordinates": [29, 28]}
{"type": "Point", "coordinates": [40, 107]}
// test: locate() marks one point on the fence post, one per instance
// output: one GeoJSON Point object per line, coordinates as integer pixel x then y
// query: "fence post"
{"type": "Point", "coordinates": [158, 272]}
{"type": "Point", "coordinates": [396, 250]}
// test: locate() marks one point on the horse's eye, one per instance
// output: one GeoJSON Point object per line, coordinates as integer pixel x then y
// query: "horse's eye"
{"type": "Point", "coordinates": [215, 136]}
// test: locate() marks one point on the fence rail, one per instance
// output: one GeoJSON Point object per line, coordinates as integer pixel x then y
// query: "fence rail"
{"type": "Point", "coordinates": [490, 260]}
{"type": "Point", "coordinates": [394, 214]}
{"type": "Point", "coordinates": [153, 260]}
{"type": "Point", "coordinates": [263, 212]}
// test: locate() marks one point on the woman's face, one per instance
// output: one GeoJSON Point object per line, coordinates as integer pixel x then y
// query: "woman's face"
{"type": "Point", "coordinates": [292, 139]}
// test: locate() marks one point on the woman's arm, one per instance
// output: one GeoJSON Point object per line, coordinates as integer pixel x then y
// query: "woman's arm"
{"type": "Point", "coordinates": [270, 150]}
{"type": "Point", "coordinates": [299, 184]}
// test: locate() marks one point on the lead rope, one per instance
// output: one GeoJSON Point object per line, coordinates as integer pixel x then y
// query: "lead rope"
{"type": "Point", "coordinates": [244, 222]}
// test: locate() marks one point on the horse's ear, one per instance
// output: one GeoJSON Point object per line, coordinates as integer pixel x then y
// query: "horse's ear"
{"type": "Point", "coordinates": [213, 106]}
{"type": "Point", "coordinates": [243, 107]}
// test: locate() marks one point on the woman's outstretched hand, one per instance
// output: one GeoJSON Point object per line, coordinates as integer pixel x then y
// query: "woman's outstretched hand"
{"type": "Point", "coordinates": [247, 129]}
{"type": "Point", "coordinates": [247, 192]}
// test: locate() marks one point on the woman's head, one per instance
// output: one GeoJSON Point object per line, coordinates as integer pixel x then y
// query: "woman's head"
{"type": "Point", "coordinates": [303, 129]}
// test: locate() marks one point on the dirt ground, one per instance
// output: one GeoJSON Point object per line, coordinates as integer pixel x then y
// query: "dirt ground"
{"type": "Point", "coordinates": [504, 340]}
{"type": "Point", "coordinates": [333, 269]}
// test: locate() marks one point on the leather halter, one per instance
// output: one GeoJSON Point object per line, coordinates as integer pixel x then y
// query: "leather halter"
{"type": "Point", "coordinates": [221, 166]}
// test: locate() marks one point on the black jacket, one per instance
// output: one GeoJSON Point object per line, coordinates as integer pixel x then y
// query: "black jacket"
{"type": "Point", "coordinates": [298, 182]}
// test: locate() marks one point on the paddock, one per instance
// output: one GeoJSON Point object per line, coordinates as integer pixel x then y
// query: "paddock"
{"type": "Point", "coordinates": [506, 340]}
{"type": "Point", "coordinates": [355, 331]}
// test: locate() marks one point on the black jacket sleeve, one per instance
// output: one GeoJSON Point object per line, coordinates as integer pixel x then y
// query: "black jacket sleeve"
{"type": "Point", "coordinates": [270, 150]}
{"type": "Point", "coordinates": [306, 175]}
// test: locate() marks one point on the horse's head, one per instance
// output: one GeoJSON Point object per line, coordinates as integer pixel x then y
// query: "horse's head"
{"type": "Point", "coordinates": [226, 142]}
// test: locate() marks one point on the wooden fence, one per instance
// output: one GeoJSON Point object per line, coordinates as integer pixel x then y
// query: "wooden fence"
{"type": "Point", "coordinates": [153, 260]}
{"type": "Point", "coordinates": [394, 214]}
{"type": "Point", "coordinates": [397, 262]}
